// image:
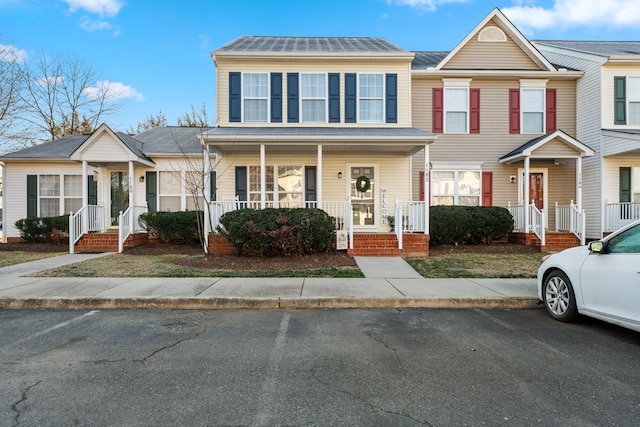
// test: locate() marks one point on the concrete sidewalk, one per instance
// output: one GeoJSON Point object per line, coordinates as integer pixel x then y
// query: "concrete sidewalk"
{"type": "Point", "coordinates": [397, 287]}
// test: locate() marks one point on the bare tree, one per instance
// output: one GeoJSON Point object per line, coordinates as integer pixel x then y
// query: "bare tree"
{"type": "Point", "coordinates": [11, 80]}
{"type": "Point", "coordinates": [195, 119]}
{"type": "Point", "coordinates": [151, 122]}
{"type": "Point", "coordinates": [64, 96]}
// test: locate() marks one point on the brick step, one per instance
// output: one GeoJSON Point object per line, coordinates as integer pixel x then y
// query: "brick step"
{"type": "Point", "coordinates": [108, 242]}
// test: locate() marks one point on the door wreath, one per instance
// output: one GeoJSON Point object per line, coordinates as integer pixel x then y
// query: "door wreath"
{"type": "Point", "coordinates": [363, 184]}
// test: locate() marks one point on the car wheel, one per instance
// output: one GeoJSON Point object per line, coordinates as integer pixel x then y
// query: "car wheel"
{"type": "Point", "coordinates": [559, 299]}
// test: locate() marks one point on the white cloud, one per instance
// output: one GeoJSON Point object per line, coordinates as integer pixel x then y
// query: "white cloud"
{"type": "Point", "coordinates": [12, 54]}
{"type": "Point", "coordinates": [575, 13]}
{"type": "Point", "coordinates": [91, 25]}
{"type": "Point", "coordinates": [112, 91]}
{"type": "Point", "coordinates": [429, 5]}
{"type": "Point", "coordinates": [98, 7]}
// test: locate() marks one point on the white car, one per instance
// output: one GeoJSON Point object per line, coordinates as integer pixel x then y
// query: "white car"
{"type": "Point", "coordinates": [600, 280]}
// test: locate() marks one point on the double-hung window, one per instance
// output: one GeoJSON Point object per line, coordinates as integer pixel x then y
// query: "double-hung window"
{"type": "Point", "coordinates": [72, 193]}
{"type": "Point", "coordinates": [313, 97]}
{"type": "Point", "coordinates": [633, 97]}
{"type": "Point", "coordinates": [533, 108]}
{"type": "Point", "coordinates": [49, 194]}
{"type": "Point", "coordinates": [255, 97]}
{"type": "Point", "coordinates": [456, 109]}
{"type": "Point", "coordinates": [371, 98]}
{"type": "Point", "coordinates": [59, 194]}
{"type": "Point", "coordinates": [455, 187]}
{"type": "Point", "coordinates": [287, 189]}
{"type": "Point", "coordinates": [181, 190]}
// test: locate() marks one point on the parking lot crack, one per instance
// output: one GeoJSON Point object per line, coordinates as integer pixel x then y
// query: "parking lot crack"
{"type": "Point", "coordinates": [378, 340]}
{"type": "Point", "coordinates": [15, 407]}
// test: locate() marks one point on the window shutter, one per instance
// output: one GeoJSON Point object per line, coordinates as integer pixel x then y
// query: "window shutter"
{"type": "Point", "coordinates": [92, 196]}
{"type": "Point", "coordinates": [620, 101]}
{"type": "Point", "coordinates": [625, 185]}
{"type": "Point", "coordinates": [514, 110]}
{"type": "Point", "coordinates": [235, 96]}
{"type": "Point", "coordinates": [213, 186]}
{"type": "Point", "coordinates": [241, 182]}
{"type": "Point", "coordinates": [276, 97]}
{"type": "Point", "coordinates": [350, 97]}
{"type": "Point", "coordinates": [551, 110]}
{"type": "Point", "coordinates": [151, 189]}
{"type": "Point", "coordinates": [438, 110]}
{"type": "Point", "coordinates": [487, 188]}
{"type": "Point", "coordinates": [391, 101]}
{"type": "Point", "coordinates": [310, 184]}
{"type": "Point", "coordinates": [293, 108]}
{"type": "Point", "coordinates": [334, 98]}
{"type": "Point", "coordinates": [32, 196]}
{"type": "Point", "coordinates": [474, 110]}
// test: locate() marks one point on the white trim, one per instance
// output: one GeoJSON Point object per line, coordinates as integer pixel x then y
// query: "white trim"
{"type": "Point", "coordinates": [375, 192]}
{"type": "Point", "coordinates": [243, 97]}
{"type": "Point", "coordinates": [545, 185]}
{"type": "Point", "coordinates": [493, 35]}
{"type": "Point", "coordinates": [358, 97]}
{"type": "Point", "coordinates": [325, 97]}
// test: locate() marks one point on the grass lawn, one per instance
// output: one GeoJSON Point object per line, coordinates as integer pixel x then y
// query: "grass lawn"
{"type": "Point", "coordinates": [18, 257]}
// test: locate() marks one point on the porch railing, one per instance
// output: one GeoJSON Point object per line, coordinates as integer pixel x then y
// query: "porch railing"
{"type": "Point", "coordinates": [517, 212]}
{"type": "Point", "coordinates": [572, 219]}
{"type": "Point", "coordinates": [128, 224]}
{"type": "Point", "coordinates": [537, 219]}
{"type": "Point", "coordinates": [618, 215]}
{"type": "Point", "coordinates": [87, 219]}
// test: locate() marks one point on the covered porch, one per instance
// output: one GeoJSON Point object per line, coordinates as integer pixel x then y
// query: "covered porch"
{"type": "Point", "coordinates": [534, 215]}
{"type": "Point", "coordinates": [359, 176]}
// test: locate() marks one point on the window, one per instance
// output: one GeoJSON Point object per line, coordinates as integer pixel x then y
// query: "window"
{"type": "Point", "coordinates": [635, 185]}
{"type": "Point", "coordinates": [255, 99]}
{"type": "Point", "coordinates": [371, 98]}
{"type": "Point", "coordinates": [194, 190]}
{"type": "Point", "coordinates": [633, 95]}
{"type": "Point", "coordinates": [72, 193]}
{"type": "Point", "coordinates": [314, 97]}
{"type": "Point", "coordinates": [181, 190]}
{"type": "Point", "coordinates": [254, 183]}
{"type": "Point", "coordinates": [456, 104]}
{"type": "Point", "coordinates": [532, 104]}
{"type": "Point", "coordinates": [55, 199]}
{"type": "Point", "coordinates": [287, 190]}
{"type": "Point", "coordinates": [49, 194]}
{"type": "Point", "coordinates": [457, 187]}
{"type": "Point", "coordinates": [169, 191]}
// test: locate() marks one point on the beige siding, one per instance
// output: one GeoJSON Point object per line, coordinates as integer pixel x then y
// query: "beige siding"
{"type": "Point", "coordinates": [105, 149]}
{"type": "Point", "coordinates": [403, 70]}
{"type": "Point", "coordinates": [555, 149]}
{"type": "Point", "coordinates": [491, 56]}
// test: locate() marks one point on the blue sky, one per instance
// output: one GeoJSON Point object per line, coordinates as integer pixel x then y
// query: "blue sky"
{"type": "Point", "coordinates": [158, 52]}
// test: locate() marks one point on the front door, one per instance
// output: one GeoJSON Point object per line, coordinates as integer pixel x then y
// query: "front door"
{"type": "Point", "coordinates": [362, 190]}
{"type": "Point", "coordinates": [536, 189]}
{"type": "Point", "coordinates": [119, 195]}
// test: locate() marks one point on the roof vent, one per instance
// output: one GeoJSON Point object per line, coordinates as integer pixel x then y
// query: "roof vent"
{"type": "Point", "coordinates": [492, 34]}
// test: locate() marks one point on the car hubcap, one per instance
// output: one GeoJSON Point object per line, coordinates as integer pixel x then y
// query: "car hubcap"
{"type": "Point", "coordinates": [557, 296]}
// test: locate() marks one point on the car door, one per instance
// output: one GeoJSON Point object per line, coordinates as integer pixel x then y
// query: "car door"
{"type": "Point", "coordinates": [610, 281]}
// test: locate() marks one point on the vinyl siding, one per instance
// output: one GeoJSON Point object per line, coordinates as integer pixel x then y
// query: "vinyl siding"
{"type": "Point", "coordinates": [106, 149]}
{"type": "Point", "coordinates": [403, 70]}
{"type": "Point", "coordinates": [611, 176]}
{"type": "Point", "coordinates": [608, 73]}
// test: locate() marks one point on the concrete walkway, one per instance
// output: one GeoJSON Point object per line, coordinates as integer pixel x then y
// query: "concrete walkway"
{"type": "Point", "coordinates": [389, 282]}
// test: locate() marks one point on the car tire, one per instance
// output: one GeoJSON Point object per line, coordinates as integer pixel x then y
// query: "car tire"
{"type": "Point", "coordinates": [558, 297]}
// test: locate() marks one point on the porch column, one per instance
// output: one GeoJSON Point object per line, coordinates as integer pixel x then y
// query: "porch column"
{"type": "Point", "coordinates": [319, 178]}
{"type": "Point", "coordinates": [263, 177]}
{"type": "Point", "coordinates": [85, 198]}
{"type": "Point", "coordinates": [427, 191]}
{"type": "Point", "coordinates": [579, 182]}
{"type": "Point", "coordinates": [206, 158]}
{"type": "Point", "coordinates": [527, 201]}
{"type": "Point", "coordinates": [132, 185]}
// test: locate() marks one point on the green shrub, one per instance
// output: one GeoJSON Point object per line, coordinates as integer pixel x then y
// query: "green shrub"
{"type": "Point", "coordinates": [47, 229]}
{"type": "Point", "coordinates": [277, 232]}
{"type": "Point", "coordinates": [173, 226]}
{"type": "Point", "coordinates": [471, 225]}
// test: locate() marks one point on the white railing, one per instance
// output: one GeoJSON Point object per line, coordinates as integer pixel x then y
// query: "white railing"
{"type": "Point", "coordinates": [87, 219]}
{"type": "Point", "coordinates": [517, 212]}
{"type": "Point", "coordinates": [398, 223]}
{"type": "Point", "coordinates": [537, 225]}
{"type": "Point", "coordinates": [618, 215]}
{"type": "Point", "coordinates": [128, 224]}
{"type": "Point", "coordinates": [572, 219]}
{"type": "Point", "coordinates": [349, 223]}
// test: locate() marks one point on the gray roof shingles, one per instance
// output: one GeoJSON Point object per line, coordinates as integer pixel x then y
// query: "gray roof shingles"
{"type": "Point", "coordinates": [601, 48]}
{"type": "Point", "coordinates": [267, 44]}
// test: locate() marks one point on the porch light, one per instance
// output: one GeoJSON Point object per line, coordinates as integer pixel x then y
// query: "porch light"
{"type": "Point", "coordinates": [339, 174]}
{"type": "Point", "coordinates": [141, 179]}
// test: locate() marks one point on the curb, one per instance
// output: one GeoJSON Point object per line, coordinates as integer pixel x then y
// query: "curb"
{"type": "Point", "coordinates": [261, 303]}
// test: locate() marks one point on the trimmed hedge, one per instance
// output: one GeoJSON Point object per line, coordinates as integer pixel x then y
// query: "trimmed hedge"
{"type": "Point", "coordinates": [470, 225]}
{"type": "Point", "coordinates": [173, 226]}
{"type": "Point", "coordinates": [47, 229]}
{"type": "Point", "coordinates": [277, 232]}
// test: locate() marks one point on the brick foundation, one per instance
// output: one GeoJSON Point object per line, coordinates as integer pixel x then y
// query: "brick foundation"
{"type": "Point", "coordinates": [108, 242]}
{"type": "Point", "coordinates": [554, 241]}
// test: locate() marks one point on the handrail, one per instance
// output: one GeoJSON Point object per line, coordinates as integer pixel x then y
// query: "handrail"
{"type": "Point", "coordinates": [572, 219]}
{"type": "Point", "coordinates": [75, 228]}
{"type": "Point", "coordinates": [128, 224]}
{"type": "Point", "coordinates": [86, 219]}
{"type": "Point", "coordinates": [537, 222]}
{"type": "Point", "coordinates": [517, 213]}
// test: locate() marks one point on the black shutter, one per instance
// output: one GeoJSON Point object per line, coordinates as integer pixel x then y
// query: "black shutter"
{"type": "Point", "coordinates": [391, 101]}
{"type": "Point", "coordinates": [293, 106]}
{"type": "Point", "coordinates": [625, 185]}
{"type": "Point", "coordinates": [241, 182]}
{"type": "Point", "coordinates": [334, 98]}
{"type": "Point", "coordinates": [350, 97]}
{"type": "Point", "coordinates": [276, 97]}
{"type": "Point", "coordinates": [620, 100]}
{"type": "Point", "coordinates": [310, 184]}
{"type": "Point", "coordinates": [32, 196]}
{"type": "Point", "coordinates": [235, 97]}
{"type": "Point", "coordinates": [92, 195]}
{"type": "Point", "coordinates": [213, 186]}
{"type": "Point", "coordinates": [151, 186]}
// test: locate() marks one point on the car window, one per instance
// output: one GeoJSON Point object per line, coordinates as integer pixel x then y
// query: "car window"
{"type": "Point", "coordinates": [625, 242]}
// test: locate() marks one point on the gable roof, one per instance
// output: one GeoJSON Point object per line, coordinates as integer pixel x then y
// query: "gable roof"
{"type": "Point", "coordinates": [601, 48]}
{"type": "Point", "coordinates": [515, 34]}
{"type": "Point", "coordinates": [329, 45]}
{"type": "Point", "coordinates": [172, 140]}
{"type": "Point", "coordinates": [526, 149]}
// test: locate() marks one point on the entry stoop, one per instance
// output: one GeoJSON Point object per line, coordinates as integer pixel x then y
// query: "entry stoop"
{"type": "Point", "coordinates": [386, 244]}
{"type": "Point", "coordinates": [555, 241]}
{"type": "Point", "coordinates": [108, 242]}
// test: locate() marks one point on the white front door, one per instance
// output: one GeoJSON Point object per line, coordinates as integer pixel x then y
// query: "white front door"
{"type": "Point", "coordinates": [363, 177]}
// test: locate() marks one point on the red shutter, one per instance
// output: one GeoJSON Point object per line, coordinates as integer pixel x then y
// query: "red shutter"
{"type": "Point", "coordinates": [514, 110]}
{"type": "Point", "coordinates": [438, 110]}
{"type": "Point", "coordinates": [551, 110]}
{"type": "Point", "coordinates": [487, 188]}
{"type": "Point", "coordinates": [474, 110]}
